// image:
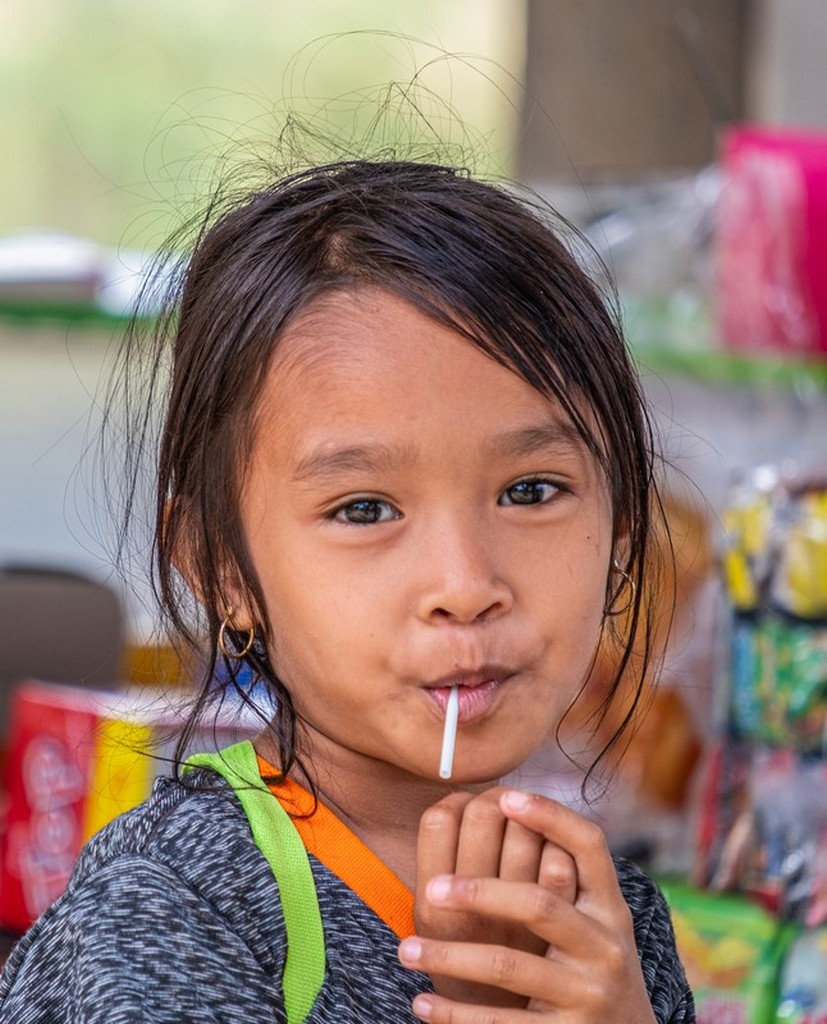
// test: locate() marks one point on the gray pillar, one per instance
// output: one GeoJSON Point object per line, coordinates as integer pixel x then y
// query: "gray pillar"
{"type": "Point", "coordinates": [621, 88]}
{"type": "Point", "coordinates": [788, 74]}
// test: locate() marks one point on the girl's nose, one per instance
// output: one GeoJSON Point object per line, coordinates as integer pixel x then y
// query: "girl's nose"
{"type": "Point", "coordinates": [458, 580]}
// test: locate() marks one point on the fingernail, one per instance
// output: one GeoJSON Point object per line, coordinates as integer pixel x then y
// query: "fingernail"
{"type": "Point", "coordinates": [410, 950]}
{"type": "Point", "coordinates": [439, 888]}
{"type": "Point", "coordinates": [423, 1007]}
{"type": "Point", "coordinates": [514, 800]}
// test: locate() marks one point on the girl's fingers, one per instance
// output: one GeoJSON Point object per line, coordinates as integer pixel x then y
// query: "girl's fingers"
{"type": "Point", "coordinates": [589, 968]}
{"type": "Point", "coordinates": [553, 990]}
{"type": "Point", "coordinates": [438, 843]}
{"type": "Point", "coordinates": [481, 835]}
{"type": "Point", "coordinates": [548, 925]}
{"type": "Point", "coordinates": [470, 835]}
{"type": "Point", "coordinates": [511, 969]}
{"type": "Point", "coordinates": [521, 855]}
{"type": "Point", "coordinates": [482, 843]}
{"type": "Point", "coordinates": [542, 912]}
{"type": "Point", "coordinates": [434, 1010]}
{"type": "Point", "coordinates": [598, 890]}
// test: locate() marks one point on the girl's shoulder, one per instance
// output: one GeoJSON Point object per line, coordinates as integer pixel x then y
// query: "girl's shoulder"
{"type": "Point", "coordinates": [642, 894]}
{"type": "Point", "coordinates": [665, 978]}
{"type": "Point", "coordinates": [189, 832]}
{"type": "Point", "coordinates": [182, 826]}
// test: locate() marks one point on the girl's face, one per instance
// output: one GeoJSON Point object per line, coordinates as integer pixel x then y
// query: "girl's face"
{"type": "Point", "coordinates": [420, 517]}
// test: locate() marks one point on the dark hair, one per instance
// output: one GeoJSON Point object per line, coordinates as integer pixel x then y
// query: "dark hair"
{"type": "Point", "coordinates": [472, 255]}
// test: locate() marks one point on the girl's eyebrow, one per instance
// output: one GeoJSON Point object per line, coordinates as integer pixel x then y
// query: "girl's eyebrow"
{"type": "Point", "coordinates": [558, 436]}
{"type": "Point", "coordinates": [328, 461]}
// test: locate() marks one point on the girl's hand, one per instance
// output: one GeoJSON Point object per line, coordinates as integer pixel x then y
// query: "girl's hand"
{"type": "Point", "coordinates": [590, 970]}
{"type": "Point", "coordinates": [471, 836]}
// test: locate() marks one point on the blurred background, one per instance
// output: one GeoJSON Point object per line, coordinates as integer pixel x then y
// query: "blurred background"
{"type": "Point", "coordinates": [116, 117]}
{"type": "Point", "coordinates": [686, 140]}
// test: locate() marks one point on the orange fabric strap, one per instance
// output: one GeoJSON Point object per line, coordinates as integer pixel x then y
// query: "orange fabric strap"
{"type": "Point", "coordinates": [332, 842]}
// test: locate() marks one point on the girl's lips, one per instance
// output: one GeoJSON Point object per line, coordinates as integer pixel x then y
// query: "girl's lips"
{"type": "Point", "coordinates": [474, 701]}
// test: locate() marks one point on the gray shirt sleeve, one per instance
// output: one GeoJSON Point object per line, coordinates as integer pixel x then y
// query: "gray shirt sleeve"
{"type": "Point", "coordinates": [136, 943]}
{"type": "Point", "coordinates": [666, 981]}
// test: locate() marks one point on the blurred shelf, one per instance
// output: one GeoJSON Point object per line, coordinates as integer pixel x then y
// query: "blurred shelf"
{"type": "Point", "coordinates": [733, 369]}
{"type": "Point", "coordinates": [57, 314]}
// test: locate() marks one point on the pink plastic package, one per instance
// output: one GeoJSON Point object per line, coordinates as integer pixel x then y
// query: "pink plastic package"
{"type": "Point", "coordinates": [771, 242]}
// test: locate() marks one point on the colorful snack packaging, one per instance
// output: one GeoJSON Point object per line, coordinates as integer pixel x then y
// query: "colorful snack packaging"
{"type": "Point", "coordinates": [747, 555]}
{"type": "Point", "coordinates": [771, 241]}
{"type": "Point", "coordinates": [778, 681]}
{"type": "Point", "coordinates": [76, 760]}
{"type": "Point", "coordinates": [800, 580]}
{"type": "Point", "coordinates": [803, 994]}
{"type": "Point", "coordinates": [731, 950]}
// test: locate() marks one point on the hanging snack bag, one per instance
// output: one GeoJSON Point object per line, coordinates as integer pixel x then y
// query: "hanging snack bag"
{"type": "Point", "coordinates": [803, 995]}
{"type": "Point", "coordinates": [747, 556]}
{"type": "Point", "coordinates": [800, 581]}
{"type": "Point", "coordinates": [730, 949]}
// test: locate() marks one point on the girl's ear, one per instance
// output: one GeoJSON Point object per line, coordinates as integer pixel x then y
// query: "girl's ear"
{"type": "Point", "coordinates": [621, 543]}
{"type": "Point", "coordinates": [621, 550]}
{"type": "Point", "coordinates": [234, 608]}
{"type": "Point", "coordinates": [620, 587]}
{"type": "Point", "coordinates": [216, 588]}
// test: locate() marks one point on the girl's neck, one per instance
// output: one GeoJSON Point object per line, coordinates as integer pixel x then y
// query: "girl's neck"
{"type": "Point", "coordinates": [385, 816]}
{"type": "Point", "coordinates": [381, 804]}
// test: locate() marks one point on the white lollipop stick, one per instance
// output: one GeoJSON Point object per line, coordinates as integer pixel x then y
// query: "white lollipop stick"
{"type": "Point", "coordinates": [449, 736]}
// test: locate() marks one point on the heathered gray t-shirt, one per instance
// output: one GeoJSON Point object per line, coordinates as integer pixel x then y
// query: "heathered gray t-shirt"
{"type": "Point", "coordinates": [172, 916]}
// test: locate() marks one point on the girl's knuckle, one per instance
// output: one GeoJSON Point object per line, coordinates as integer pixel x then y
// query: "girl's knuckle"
{"type": "Point", "coordinates": [556, 875]}
{"type": "Point", "coordinates": [437, 818]}
{"type": "Point", "coordinates": [541, 904]}
{"type": "Point", "coordinates": [594, 995]}
{"type": "Point", "coordinates": [503, 966]}
{"type": "Point", "coordinates": [452, 1013]}
{"type": "Point", "coordinates": [594, 838]}
{"type": "Point", "coordinates": [618, 959]}
{"type": "Point", "coordinates": [436, 957]}
{"type": "Point", "coordinates": [482, 812]}
{"type": "Point", "coordinates": [455, 1014]}
{"type": "Point", "coordinates": [613, 957]}
{"type": "Point", "coordinates": [492, 1017]}
{"type": "Point", "coordinates": [470, 890]}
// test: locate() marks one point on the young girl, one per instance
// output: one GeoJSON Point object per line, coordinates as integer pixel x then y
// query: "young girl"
{"type": "Point", "coordinates": [406, 472]}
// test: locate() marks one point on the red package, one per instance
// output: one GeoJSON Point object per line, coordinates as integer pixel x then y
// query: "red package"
{"type": "Point", "coordinates": [48, 776]}
{"type": "Point", "coordinates": [771, 242]}
{"type": "Point", "coordinates": [78, 758]}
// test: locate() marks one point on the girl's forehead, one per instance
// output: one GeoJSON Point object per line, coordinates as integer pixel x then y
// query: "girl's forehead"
{"type": "Point", "coordinates": [349, 344]}
{"type": "Point", "coordinates": [366, 365]}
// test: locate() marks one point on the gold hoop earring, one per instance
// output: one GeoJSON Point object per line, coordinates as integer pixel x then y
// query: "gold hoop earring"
{"type": "Point", "coordinates": [227, 649]}
{"type": "Point", "coordinates": [628, 581]}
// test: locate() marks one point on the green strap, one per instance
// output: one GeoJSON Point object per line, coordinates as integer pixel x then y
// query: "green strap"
{"type": "Point", "coordinates": [276, 836]}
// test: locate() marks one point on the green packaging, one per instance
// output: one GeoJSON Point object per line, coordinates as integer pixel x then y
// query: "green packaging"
{"type": "Point", "coordinates": [731, 950]}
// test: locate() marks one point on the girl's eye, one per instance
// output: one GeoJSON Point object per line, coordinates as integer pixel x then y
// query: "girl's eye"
{"type": "Point", "coordinates": [365, 512]}
{"type": "Point", "coordinates": [529, 492]}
